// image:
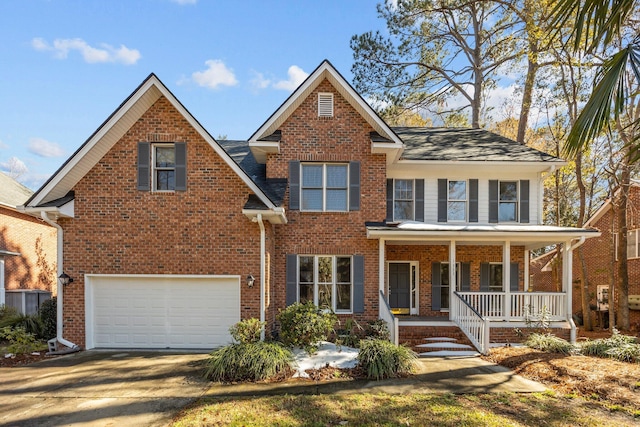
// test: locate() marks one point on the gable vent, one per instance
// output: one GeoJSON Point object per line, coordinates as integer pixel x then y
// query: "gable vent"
{"type": "Point", "coordinates": [325, 105]}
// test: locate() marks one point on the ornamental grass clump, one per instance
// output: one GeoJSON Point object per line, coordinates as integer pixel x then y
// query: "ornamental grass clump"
{"type": "Point", "coordinates": [254, 361]}
{"type": "Point", "coordinates": [382, 359]}
{"type": "Point", "coordinates": [549, 343]}
{"type": "Point", "coordinates": [619, 347]}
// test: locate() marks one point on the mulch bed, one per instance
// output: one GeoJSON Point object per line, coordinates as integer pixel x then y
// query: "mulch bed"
{"type": "Point", "coordinates": [22, 359]}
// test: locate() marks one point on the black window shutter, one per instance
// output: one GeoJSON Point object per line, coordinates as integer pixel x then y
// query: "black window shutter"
{"type": "Point", "coordinates": [484, 277]}
{"type": "Point", "coordinates": [181, 166]}
{"type": "Point", "coordinates": [144, 172]}
{"type": "Point", "coordinates": [524, 201]}
{"type": "Point", "coordinates": [358, 284]}
{"type": "Point", "coordinates": [419, 196]}
{"type": "Point", "coordinates": [294, 185]}
{"type": "Point", "coordinates": [442, 200]}
{"type": "Point", "coordinates": [436, 285]}
{"type": "Point", "coordinates": [473, 200]}
{"type": "Point", "coordinates": [292, 279]}
{"type": "Point", "coordinates": [389, 200]}
{"type": "Point", "coordinates": [354, 186]}
{"type": "Point", "coordinates": [493, 201]}
{"type": "Point", "coordinates": [465, 276]}
{"type": "Point", "coordinates": [513, 278]}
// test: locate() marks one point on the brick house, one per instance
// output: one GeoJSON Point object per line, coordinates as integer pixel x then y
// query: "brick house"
{"type": "Point", "coordinates": [601, 260]}
{"type": "Point", "coordinates": [171, 236]}
{"type": "Point", "coordinates": [27, 247]}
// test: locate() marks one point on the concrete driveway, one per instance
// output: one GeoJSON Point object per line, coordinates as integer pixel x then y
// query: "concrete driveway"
{"type": "Point", "coordinates": [99, 388]}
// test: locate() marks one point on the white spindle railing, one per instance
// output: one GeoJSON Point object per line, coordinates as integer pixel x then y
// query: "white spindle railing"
{"type": "Point", "coordinates": [469, 320]}
{"type": "Point", "coordinates": [533, 306]}
{"type": "Point", "coordinates": [523, 305]}
{"type": "Point", "coordinates": [387, 316]}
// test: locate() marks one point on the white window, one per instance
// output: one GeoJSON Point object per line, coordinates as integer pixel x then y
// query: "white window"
{"type": "Point", "coordinates": [325, 105]}
{"type": "Point", "coordinates": [324, 187]}
{"type": "Point", "coordinates": [457, 201]}
{"type": "Point", "coordinates": [508, 201]}
{"type": "Point", "coordinates": [164, 167]}
{"type": "Point", "coordinates": [495, 278]}
{"type": "Point", "coordinates": [632, 244]}
{"type": "Point", "coordinates": [327, 281]}
{"type": "Point", "coordinates": [403, 199]}
{"type": "Point", "coordinates": [603, 297]}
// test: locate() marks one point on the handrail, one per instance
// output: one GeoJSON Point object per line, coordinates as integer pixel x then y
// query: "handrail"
{"type": "Point", "coordinates": [472, 324]}
{"type": "Point", "coordinates": [388, 316]}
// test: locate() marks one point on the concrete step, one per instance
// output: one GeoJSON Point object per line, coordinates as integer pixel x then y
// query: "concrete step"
{"type": "Point", "coordinates": [448, 345]}
{"type": "Point", "coordinates": [449, 353]}
{"type": "Point", "coordinates": [441, 339]}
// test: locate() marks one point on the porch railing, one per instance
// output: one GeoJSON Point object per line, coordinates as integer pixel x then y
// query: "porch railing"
{"type": "Point", "coordinates": [471, 323]}
{"type": "Point", "coordinates": [387, 316]}
{"type": "Point", "coordinates": [522, 306]}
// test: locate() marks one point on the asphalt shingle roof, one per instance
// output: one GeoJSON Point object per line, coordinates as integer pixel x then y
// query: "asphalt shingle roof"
{"type": "Point", "coordinates": [465, 145]}
{"type": "Point", "coordinates": [12, 192]}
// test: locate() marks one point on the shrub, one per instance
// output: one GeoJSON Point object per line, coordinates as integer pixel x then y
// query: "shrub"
{"type": "Point", "coordinates": [625, 352]}
{"type": "Point", "coordinates": [618, 346]}
{"type": "Point", "coordinates": [349, 335]}
{"type": "Point", "coordinates": [247, 331]}
{"type": "Point", "coordinates": [549, 343]}
{"type": "Point", "coordinates": [20, 341]}
{"type": "Point", "coordinates": [8, 316]}
{"type": "Point", "coordinates": [383, 359]}
{"type": "Point", "coordinates": [49, 316]}
{"type": "Point", "coordinates": [304, 325]}
{"type": "Point", "coordinates": [378, 329]}
{"type": "Point", "coordinates": [248, 361]}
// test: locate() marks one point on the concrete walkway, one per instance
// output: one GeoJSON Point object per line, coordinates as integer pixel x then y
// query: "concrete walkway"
{"type": "Point", "coordinates": [434, 375]}
{"type": "Point", "coordinates": [95, 388]}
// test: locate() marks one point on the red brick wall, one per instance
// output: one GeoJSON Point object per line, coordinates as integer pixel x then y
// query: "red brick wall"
{"type": "Point", "coordinates": [427, 254]}
{"type": "Point", "coordinates": [342, 138]}
{"type": "Point", "coordinates": [35, 241]}
{"type": "Point", "coordinates": [120, 230]}
{"type": "Point", "coordinates": [598, 258]}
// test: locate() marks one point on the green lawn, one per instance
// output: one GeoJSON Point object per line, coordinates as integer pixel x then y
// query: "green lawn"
{"type": "Point", "coordinates": [498, 409]}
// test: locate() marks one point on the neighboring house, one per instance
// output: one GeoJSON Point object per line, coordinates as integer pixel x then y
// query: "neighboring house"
{"type": "Point", "coordinates": [171, 236]}
{"type": "Point", "coordinates": [27, 245]}
{"type": "Point", "coordinates": [601, 260]}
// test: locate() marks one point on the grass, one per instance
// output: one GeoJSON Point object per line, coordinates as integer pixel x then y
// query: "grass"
{"type": "Point", "coordinates": [495, 409]}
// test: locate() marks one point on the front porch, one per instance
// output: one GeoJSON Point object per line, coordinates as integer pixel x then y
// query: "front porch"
{"type": "Point", "coordinates": [421, 297]}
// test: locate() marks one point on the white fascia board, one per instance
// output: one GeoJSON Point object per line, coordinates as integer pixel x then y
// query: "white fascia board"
{"type": "Point", "coordinates": [274, 216]}
{"type": "Point", "coordinates": [539, 166]}
{"type": "Point", "coordinates": [391, 149]}
{"type": "Point", "coordinates": [479, 236]}
{"type": "Point", "coordinates": [260, 149]}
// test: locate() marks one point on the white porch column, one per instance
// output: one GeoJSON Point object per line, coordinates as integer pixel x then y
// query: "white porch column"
{"type": "Point", "coordinates": [527, 261]}
{"type": "Point", "coordinates": [506, 278]}
{"type": "Point", "coordinates": [452, 278]}
{"type": "Point", "coordinates": [567, 275]}
{"type": "Point", "coordinates": [2, 299]}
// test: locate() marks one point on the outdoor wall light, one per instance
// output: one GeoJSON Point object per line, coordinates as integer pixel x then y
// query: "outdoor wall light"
{"type": "Point", "coordinates": [250, 280]}
{"type": "Point", "coordinates": [65, 279]}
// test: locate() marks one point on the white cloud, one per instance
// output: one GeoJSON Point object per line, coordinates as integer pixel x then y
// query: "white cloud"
{"type": "Point", "coordinates": [92, 55]}
{"type": "Point", "coordinates": [259, 81]}
{"type": "Point", "coordinates": [217, 74]}
{"type": "Point", "coordinates": [183, 2]}
{"type": "Point", "coordinates": [43, 148]}
{"type": "Point", "coordinates": [3, 146]}
{"type": "Point", "coordinates": [296, 76]}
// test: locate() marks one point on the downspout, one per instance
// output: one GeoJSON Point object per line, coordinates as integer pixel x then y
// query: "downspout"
{"type": "Point", "coordinates": [262, 273]}
{"type": "Point", "coordinates": [59, 303]}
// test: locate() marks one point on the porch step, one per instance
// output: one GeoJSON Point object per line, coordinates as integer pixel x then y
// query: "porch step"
{"type": "Point", "coordinates": [441, 339]}
{"type": "Point", "coordinates": [449, 353]}
{"type": "Point", "coordinates": [448, 345]}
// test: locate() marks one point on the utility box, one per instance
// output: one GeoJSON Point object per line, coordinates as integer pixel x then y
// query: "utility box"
{"type": "Point", "coordinates": [634, 302]}
{"type": "Point", "coordinates": [26, 301]}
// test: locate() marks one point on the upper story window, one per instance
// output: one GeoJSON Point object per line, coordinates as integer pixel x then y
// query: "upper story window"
{"type": "Point", "coordinates": [325, 105]}
{"type": "Point", "coordinates": [457, 201]}
{"type": "Point", "coordinates": [324, 187]}
{"type": "Point", "coordinates": [508, 201]}
{"type": "Point", "coordinates": [405, 200]}
{"type": "Point", "coordinates": [162, 167]}
{"type": "Point", "coordinates": [632, 244]}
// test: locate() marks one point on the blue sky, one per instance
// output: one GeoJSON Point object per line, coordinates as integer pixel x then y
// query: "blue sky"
{"type": "Point", "coordinates": [67, 65]}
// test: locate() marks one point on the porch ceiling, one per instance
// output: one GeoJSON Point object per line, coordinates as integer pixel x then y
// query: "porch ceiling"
{"type": "Point", "coordinates": [529, 236]}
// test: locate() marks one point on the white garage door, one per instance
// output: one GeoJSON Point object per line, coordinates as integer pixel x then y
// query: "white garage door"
{"type": "Point", "coordinates": [192, 312]}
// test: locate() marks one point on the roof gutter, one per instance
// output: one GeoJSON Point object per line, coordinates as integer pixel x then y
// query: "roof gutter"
{"type": "Point", "coordinates": [59, 303]}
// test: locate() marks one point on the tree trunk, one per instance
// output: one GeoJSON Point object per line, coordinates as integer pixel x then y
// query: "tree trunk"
{"type": "Point", "coordinates": [527, 92]}
{"type": "Point", "coordinates": [612, 276]}
{"type": "Point", "coordinates": [623, 271]}
{"type": "Point", "coordinates": [584, 277]}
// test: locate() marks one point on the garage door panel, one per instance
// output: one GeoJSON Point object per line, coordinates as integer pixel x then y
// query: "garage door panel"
{"type": "Point", "coordinates": [162, 311]}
